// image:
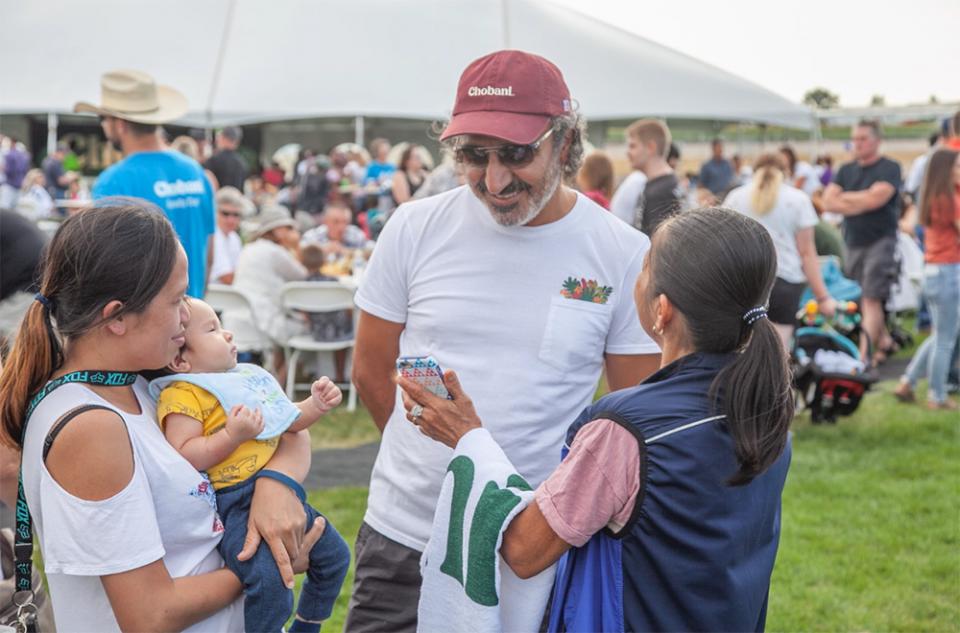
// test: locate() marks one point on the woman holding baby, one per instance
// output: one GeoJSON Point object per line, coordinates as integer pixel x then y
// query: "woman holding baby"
{"type": "Point", "coordinates": [127, 528]}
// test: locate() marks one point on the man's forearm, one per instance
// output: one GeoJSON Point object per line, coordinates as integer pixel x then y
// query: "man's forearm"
{"type": "Point", "coordinates": [379, 395]}
{"type": "Point", "coordinates": [838, 203]}
{"type": "Point", "coordinates": [858, 201]}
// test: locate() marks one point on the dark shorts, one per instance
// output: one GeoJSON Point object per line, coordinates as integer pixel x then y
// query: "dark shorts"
{"type": "Point", "coordinates": [386, 586]}
{"type": "Point", "coordinates": [785, 302]}
{"type": "Point", "coordinates": [874, 267]}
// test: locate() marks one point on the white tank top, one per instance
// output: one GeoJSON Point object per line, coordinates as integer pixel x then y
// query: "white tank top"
{"type": "Point", "coordinates": [168, 511]}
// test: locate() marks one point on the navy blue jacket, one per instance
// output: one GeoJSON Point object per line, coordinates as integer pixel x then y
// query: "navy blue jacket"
{"type": "Point", "coordinates": [697, 554]}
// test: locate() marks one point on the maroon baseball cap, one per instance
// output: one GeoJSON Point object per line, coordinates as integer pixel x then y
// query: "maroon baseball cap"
{"type": "Point", "coordinates": [510, 95]}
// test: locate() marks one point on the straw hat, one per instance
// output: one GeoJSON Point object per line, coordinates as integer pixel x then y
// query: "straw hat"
{"type": "Point", "coordinates": [273, 218]}
{"type": "Point", "coordinates": [132, 95]}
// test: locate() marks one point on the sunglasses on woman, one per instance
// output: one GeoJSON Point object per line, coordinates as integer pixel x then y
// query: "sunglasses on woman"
{"type": "Point", "coordinates": [509, 155]}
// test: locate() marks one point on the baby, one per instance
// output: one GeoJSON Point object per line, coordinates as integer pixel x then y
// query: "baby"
{"type": "Point", "coordinates": [226, 419]}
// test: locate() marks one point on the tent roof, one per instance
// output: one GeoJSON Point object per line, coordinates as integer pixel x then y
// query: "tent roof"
{"type": "Point", "coordinates": [243, 61]}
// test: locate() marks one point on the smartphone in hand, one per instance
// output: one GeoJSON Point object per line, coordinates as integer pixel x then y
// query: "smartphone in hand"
{"type": "Point", "coordinates": [425, 371]}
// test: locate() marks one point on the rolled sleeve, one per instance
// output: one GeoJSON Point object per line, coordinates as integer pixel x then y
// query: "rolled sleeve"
{"type": "Point", "coordinates": [596, 485]}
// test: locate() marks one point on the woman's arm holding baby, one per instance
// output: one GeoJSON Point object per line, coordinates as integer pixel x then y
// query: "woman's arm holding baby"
{"type": "Point", "coordinates": [324, 396]}
{"type": "Point", "coordinates": [185, 434]}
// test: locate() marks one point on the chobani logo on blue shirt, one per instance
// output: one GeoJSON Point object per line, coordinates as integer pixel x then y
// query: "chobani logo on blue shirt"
{"type": "Point", "coordinates": [164, 189]}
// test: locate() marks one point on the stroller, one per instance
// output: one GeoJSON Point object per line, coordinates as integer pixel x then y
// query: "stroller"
{"type": "Point", "coordinates": [830, 358]}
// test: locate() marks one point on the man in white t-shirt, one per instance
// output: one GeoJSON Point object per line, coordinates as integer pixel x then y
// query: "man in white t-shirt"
{"type": "Point", "coordinates": [625, 198]}
{"type": "Point", "coordinates": [231, 206]}
{"type": "Point", "coordinates": [520, 284]}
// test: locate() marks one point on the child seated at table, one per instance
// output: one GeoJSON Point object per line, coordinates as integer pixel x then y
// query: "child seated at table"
{"type": "Point", "coordinates": [226, 419]}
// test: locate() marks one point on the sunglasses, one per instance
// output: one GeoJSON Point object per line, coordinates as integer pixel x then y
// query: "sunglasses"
{"type": "Point", "coordinates": [230, 214]}
{"type": "Point", "coordinates": [509, 155]}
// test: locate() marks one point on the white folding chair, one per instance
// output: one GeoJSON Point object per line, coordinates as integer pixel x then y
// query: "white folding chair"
{"type": "Point", "coordinates": [247, 335]}
{"type": "Point", "coordinates": [317, 297]}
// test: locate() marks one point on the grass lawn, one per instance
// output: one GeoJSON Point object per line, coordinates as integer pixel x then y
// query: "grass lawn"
{"type": "Point", "coordinates": [344, 507]}
{"type": "Point", "coordinates": [340, 428]}
{"type": "Point", "coordinates": [871, 523]}
{"type": "Point", "coordinates": [871, 519]}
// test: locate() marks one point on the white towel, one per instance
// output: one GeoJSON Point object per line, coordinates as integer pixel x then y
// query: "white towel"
{"type": "Point", "coordinates": [834, 362]}
{"type": "Point", "coordinates": [467, 586]}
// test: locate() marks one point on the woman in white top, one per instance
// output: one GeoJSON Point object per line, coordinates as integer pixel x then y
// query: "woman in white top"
{"type": "Point", "coordinates": [801, 174]}
{"type": "Point", "coordinates": [127, 528]}
{"type": "Point", "coordinates": [789, 216]}
{"type": "Point", "coordinates": [265, 264]}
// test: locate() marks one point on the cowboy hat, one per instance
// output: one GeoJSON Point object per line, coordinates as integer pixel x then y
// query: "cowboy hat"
{"type": "Point", "coordinates": [132, 95]}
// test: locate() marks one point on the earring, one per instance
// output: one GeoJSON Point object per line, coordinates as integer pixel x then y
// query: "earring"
{"type": "Point", "coordinates": [657, 329]}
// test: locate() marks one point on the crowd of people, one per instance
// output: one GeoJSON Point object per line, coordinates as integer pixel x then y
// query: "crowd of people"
{"type": "Point", "coordinates": [517, 264]}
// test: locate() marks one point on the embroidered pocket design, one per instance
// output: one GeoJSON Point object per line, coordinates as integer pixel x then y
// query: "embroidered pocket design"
{"type": "Point", "coordinates": [585, 290]}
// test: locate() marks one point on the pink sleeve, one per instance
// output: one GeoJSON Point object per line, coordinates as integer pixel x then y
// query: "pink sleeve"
{"type": "Point", "coordinates": [595, 486]}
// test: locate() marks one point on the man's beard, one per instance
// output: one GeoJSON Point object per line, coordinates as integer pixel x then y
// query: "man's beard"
{"type": "Point", "coordinates": [514, 214]}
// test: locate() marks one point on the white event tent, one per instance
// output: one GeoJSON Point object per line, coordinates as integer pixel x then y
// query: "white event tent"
{"type": "Point", "coordinates": [247, 61]}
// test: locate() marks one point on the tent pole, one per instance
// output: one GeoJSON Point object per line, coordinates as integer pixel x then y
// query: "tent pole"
{"type": "Point", "coordinates": [53, 121]}
{"type": "Point", "coordinates": [218, 65]}
{"type": "Point", "coordinates": [506, 23]}
{"type": "Point", "coordinates": [358, 131]}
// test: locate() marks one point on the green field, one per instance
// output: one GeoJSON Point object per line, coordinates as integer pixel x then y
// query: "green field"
{"type": "Point", "coordinates": [871, 522]}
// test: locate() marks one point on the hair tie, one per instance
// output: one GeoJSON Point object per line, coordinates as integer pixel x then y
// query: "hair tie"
{"type": "Point", "coordinates": [47, 303]}
{"type": "Point", "coordinates": [753, 315]}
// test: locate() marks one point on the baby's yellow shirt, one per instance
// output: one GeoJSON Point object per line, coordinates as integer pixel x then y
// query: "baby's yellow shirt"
{"type": "Point", "coordinates": [201, 405]}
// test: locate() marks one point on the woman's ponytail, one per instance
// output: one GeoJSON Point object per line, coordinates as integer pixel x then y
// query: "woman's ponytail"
{"type": "Point", "coordinates": [758, 400]}
{"type": "Point", "coordinates": [767, 177]}
{"type": "Point", "coordinates": [35, 355]}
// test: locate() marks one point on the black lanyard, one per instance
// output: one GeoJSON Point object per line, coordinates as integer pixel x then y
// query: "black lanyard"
{"type": "Point", "coordinates": [23, 539]}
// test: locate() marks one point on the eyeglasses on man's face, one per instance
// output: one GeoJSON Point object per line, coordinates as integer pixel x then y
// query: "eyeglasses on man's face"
{"type": "Point", "coordinates": [510, 155]}
{"type": "Point", "coordinates": [229, 214]}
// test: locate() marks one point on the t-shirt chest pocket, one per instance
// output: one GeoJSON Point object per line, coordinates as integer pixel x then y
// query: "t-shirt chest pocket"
{"type": "Point", "coordinates": [575, 333]}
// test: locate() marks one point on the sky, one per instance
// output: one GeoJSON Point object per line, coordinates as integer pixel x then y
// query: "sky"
{"type": "Point", "coordinates": [904, 50]}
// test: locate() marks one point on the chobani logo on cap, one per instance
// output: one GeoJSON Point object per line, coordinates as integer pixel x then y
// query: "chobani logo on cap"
{"type": "Point", "coordinates": [490, 91]}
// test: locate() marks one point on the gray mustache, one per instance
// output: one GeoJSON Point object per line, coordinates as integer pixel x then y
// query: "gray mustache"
{"type": "Point", "coordinates": [513, 187]}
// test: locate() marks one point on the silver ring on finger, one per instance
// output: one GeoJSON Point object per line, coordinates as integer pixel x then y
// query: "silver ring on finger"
{"type": "Point", "coordinates": [415, 412]}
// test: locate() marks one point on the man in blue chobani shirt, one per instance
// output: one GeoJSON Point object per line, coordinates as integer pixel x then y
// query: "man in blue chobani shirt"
{"type": "Point", "coordinates": [132, 106]}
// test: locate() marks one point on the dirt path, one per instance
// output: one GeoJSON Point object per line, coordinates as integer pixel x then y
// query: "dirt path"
{"type": "Point", "coordinates": [334, 467]}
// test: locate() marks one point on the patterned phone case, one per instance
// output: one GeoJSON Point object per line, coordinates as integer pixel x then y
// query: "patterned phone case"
{"type": "Point", "coordinates": [425, 371]}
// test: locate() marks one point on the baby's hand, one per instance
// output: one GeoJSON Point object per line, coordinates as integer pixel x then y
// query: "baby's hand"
{"type": "Point", "coordinates": [325, 394]}
{"type": "Point", "coordinates": [244, 424]}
